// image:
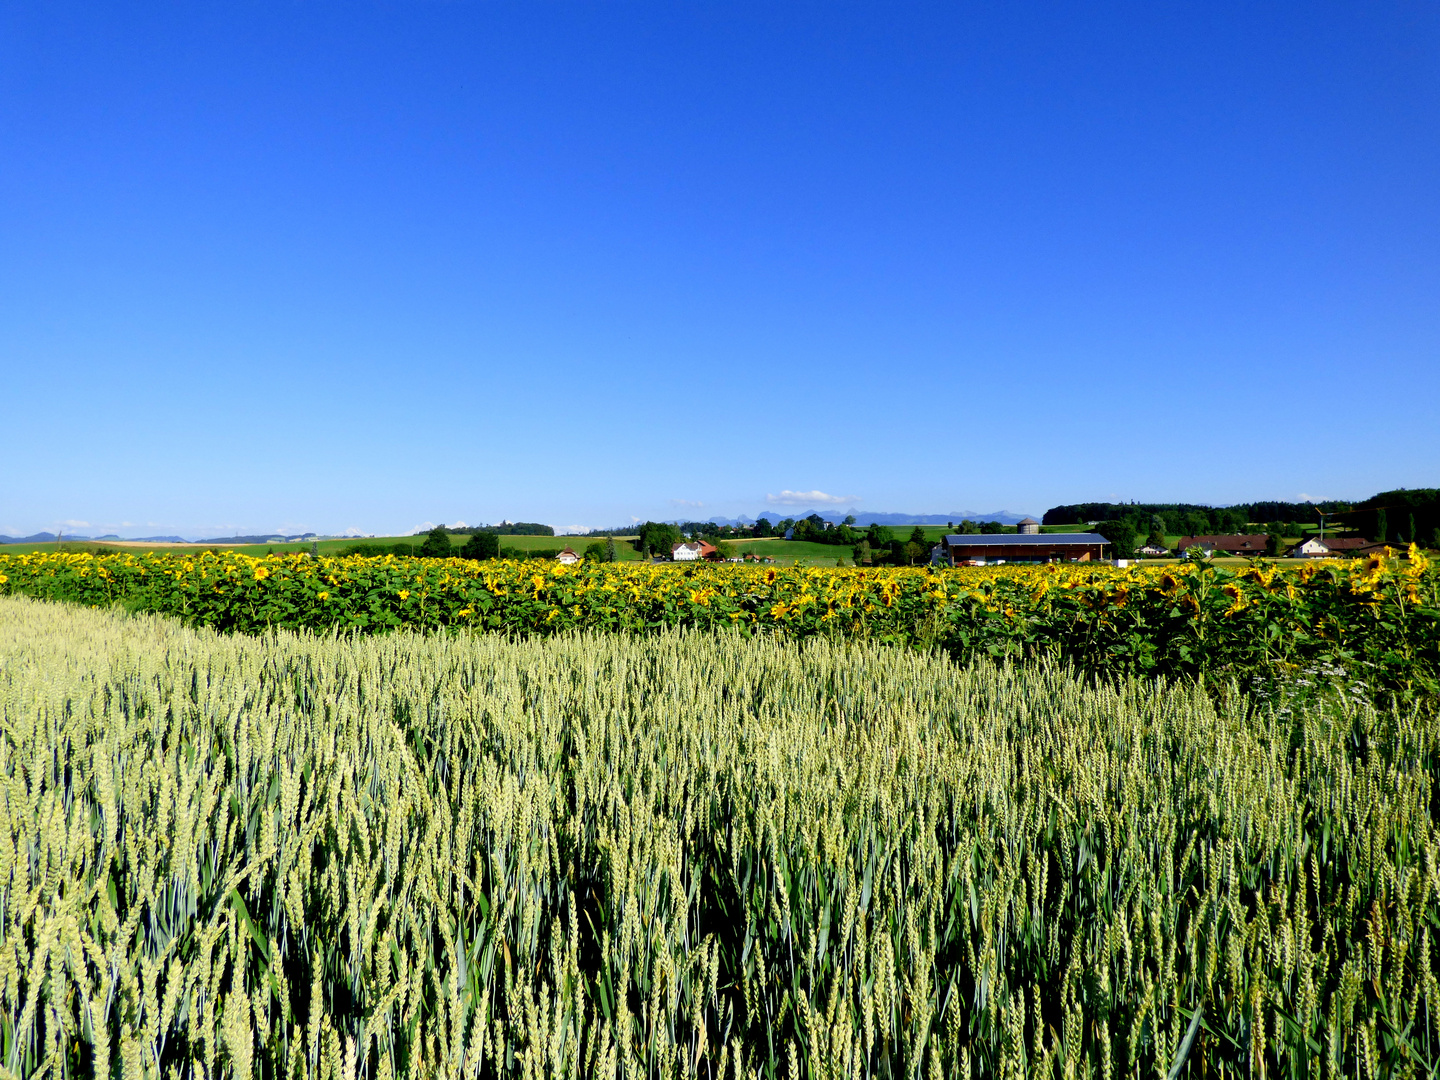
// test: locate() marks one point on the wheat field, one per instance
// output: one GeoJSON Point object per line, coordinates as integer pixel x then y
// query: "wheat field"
{"type": "Point", "coordinates": [689, 855]}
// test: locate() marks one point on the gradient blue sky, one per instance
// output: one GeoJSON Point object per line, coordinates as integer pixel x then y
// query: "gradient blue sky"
{"type": "Point", "coordinates": [324, 266]}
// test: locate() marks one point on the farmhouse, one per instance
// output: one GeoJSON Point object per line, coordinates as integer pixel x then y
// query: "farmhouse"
{"type": "Point", "coordinates": [689, 552]}
{"type": "Point", "coordinates": [1329, 548]}
{"type": "Point", "coordinates": [567, 557]}
{"type": "Point", "coordinates": [985, 548]}
{"type": "Point", "coordinates": [1246, 545]}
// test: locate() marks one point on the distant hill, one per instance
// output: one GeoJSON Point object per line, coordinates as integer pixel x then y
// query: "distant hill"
{"type": "Point", "coordinates": [867, 517]}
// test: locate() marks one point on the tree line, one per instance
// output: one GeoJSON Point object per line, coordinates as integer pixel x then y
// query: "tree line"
{"type": "Point", "coordinates": [1188, 519]}
{"type": "Point", "coordinates": [1403, 516]}
{"type": "Point", "coordinates": [505, 528]}
{"type": "Point", "coordinates": [1397, 517]}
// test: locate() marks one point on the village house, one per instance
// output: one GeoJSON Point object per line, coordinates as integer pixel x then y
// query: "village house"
{"type": "Point", "coordinates": [689, 551]}
{"type": "Point", "coordinates": [1332, 546]}
{"type": "Point", "coordinates": [1246, 545]}
{"type": "Point", "coordinates": [567, 557]}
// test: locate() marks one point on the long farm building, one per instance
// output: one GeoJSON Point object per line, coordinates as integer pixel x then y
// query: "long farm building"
{"type": "Point", "coordinates": [984, 549]}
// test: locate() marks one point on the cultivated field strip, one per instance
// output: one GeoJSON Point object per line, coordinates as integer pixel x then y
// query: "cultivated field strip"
{"type": "Point", "coordinates": [1376, 620]}
{"type": "Point", "coordinates": [687, 855]}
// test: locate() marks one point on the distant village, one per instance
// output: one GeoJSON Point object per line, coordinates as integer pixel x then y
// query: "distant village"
{"type": "Point", "coordinates": [1090, 532]}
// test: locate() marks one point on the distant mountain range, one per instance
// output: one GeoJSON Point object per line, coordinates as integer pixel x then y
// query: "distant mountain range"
{"type": "Point", "coordinates": [50, 538]}
{"type": "Point", "coordinates": [261, 538]}
{"type": "Point", "coordinates": [264, 538]}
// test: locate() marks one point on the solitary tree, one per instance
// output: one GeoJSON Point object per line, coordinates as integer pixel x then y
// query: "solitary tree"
{"type": "Point", "coordinates": [437, 544]}
{"type": "Point", "coordinates": [1121, 535]}
{"type": "Point", "coordinates": [481, 546]}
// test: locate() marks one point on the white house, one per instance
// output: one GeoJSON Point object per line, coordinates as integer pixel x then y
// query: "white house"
{"type": "Point", "coordinates": [1334, 546]}
{"type": "Point", "coordinates": [567, 557]}
{"type": "Point", "coordinates": [689, 552]}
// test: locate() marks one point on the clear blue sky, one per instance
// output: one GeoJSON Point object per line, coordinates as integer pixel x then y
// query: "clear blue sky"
{"type": "Point", "coordinates": [327, 266]}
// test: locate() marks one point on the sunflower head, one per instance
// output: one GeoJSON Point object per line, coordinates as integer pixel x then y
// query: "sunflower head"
{"type": "Point", "coordinates": [1418, 561]}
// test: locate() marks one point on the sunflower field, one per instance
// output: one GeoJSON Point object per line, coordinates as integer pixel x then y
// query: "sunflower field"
{"type": "Point", "coordinates": [1377, 619]}
{"type": "Point", "coordinates": [690, 855]}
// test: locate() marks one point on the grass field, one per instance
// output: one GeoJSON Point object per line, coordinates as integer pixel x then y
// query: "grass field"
{"type": "Point", "coordinates": [793, 552]}
{"type": "Point", "coordinates": [691, 855]}
{"type": "Point", "coordinates": [326, 547]}
{"type": "Point", "coordinates": [787, 553]}
{"type": "Point", "coordinates": [804, 553]}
